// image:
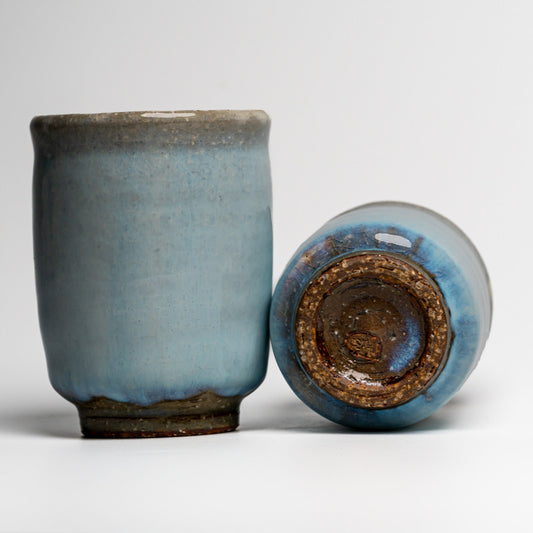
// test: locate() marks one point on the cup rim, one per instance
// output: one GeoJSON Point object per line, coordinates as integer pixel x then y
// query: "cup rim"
{"type": "Point", "coordinates": [129, 117]}
{"type": "Point", "coordinates": [214, 127]}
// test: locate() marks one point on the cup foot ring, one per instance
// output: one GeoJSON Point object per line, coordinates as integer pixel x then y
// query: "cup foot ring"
{"type": "Point", "coordinates": [204, 414]}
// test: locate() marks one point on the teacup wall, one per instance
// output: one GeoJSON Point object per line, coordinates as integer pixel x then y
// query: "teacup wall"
{"type": "Point", "coordinates": [153, 256]}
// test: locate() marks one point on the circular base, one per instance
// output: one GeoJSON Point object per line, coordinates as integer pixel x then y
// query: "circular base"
{"type": "Point", "coordinates": [372, 330]}
{"type": "Point", "coordinates": [101, 427]}
{"type": "Point", "coordinates": [204, 414]}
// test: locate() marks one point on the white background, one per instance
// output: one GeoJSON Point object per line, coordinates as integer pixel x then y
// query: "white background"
{"type": "Point", "coordinates": [421, 101]}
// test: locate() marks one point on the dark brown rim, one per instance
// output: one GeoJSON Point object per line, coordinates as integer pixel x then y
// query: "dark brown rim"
{"type": "Point", "coordinates": [142, 117]}
{"type": "Point", "coordinates": [144, 128]}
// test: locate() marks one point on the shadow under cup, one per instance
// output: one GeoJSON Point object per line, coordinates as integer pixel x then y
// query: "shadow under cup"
{"type": "Point", "coordinates": [153, 257]}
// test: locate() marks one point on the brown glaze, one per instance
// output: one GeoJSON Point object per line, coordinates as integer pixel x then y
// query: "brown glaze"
{"type": "Point", "coordinates": [364, 346]}
{"type": "Point", "coordinates": [372, 330]}
{"type": "Point", "coordinates": [203, 414]}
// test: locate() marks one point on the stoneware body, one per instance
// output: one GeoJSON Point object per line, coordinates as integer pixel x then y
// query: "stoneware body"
{"type": "Point", "coordinates": [153, 254]}
{"type": "Point", "coordinates": [381, 315]}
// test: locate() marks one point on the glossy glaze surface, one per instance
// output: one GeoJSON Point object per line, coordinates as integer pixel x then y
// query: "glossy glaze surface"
{"type": "Point", "coordinates": [388, 368]}
{"type": "Point", "coordinates": [153, 251]}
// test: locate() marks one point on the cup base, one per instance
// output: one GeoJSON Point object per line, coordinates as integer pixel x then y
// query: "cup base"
{"type": "Point", "coordinates": [204, 414]}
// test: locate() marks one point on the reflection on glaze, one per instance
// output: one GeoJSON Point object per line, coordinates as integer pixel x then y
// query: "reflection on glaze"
{"type": "Point", "coordinates": [390, 238]}
{"type": "Point", "coordinates": [167, 114]}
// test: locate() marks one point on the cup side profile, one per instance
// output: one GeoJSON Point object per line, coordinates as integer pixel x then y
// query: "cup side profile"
{"type": "Point", "coordinates": [153, 259]}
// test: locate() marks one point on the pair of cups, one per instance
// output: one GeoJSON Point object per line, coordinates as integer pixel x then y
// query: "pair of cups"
{"type": "Point", "coordinates": [153, 254]}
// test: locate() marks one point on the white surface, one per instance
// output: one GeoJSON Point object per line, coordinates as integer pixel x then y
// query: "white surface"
{"type": "Point", "coordinates": [428, 102]}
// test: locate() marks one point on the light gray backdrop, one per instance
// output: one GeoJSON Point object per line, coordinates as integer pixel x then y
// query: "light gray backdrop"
{"type": "Point", "coordinates": [428, 102]}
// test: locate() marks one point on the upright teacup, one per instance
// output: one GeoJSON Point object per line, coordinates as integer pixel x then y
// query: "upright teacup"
{"type": "Point", "coordinates": [153, 255]}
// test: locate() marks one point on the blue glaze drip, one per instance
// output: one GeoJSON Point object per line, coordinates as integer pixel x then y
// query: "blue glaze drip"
{"type": "Point", "coordinates": [407, 347]}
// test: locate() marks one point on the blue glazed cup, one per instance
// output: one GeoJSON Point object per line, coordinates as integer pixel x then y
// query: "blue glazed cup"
{"type": "Point", "coordinates": [381, 315]}
{"type": "Point", "coordinates": [153, 257]}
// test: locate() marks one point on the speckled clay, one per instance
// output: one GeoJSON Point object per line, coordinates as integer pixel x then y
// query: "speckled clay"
{"type": "Point", "coordinates": [153, 253]}
{"type": "Point", "coordinates": [381, 315]}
